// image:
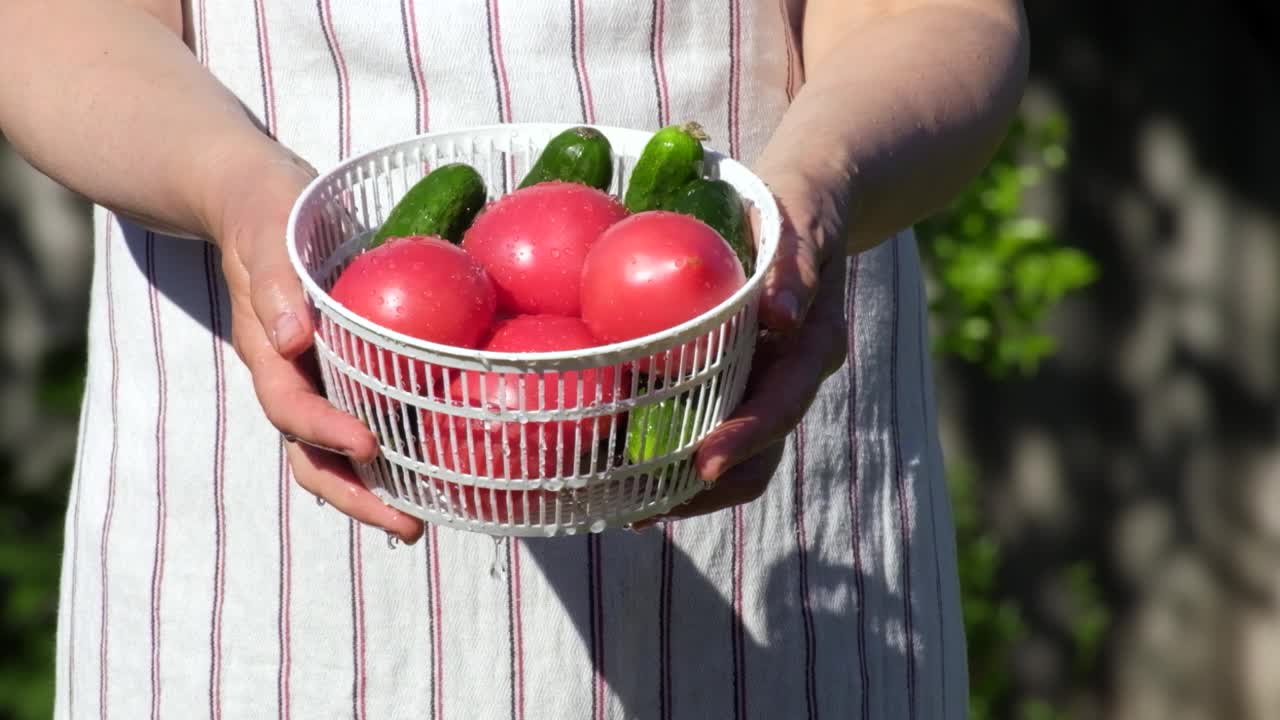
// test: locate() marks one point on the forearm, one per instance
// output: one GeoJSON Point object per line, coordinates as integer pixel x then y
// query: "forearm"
{"type": "Point", "coordinates": [899, 113]}
{"type": "Point", "coordinates": [106, 100]}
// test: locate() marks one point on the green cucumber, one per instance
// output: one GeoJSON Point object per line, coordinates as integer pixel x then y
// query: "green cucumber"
{"type": "Point", "coordinates": [671, 158]}
{"type": "Point", "coordinates": [717, 203]}
{"type": "Point", "coordinates": [580, 155]}
{"type": "Point", "coordinates": [654, 430]}
{"type": "Point", "coordinates": [442, 204]}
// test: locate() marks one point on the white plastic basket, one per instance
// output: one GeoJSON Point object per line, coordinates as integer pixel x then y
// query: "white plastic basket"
{"type": "Point", "coordinates": [541, 468]}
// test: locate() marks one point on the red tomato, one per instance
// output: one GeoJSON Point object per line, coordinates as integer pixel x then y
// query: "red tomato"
{"type": "Point", "coordinates": [420, 286]}
{"type": "Point", "coordinates": [502, 391]}
{"type": "Point", "coordinates": [545, 333]}
{"type": "Point", "coordinates": [485, 504]}
{"type": "Point", "coordinates": [533, 242]}
{"type": "Point", "coordinates": [653, 271]}
{"type": "Point", "coordinates": [539, 333]}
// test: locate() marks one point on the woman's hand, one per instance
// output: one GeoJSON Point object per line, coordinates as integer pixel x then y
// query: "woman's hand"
{"type": "Point", "coordinates": [804, 341]}
{"type": "Point", "coordinates": [272, 332]}
{"type": "Point", "coordinates": [903, 103]}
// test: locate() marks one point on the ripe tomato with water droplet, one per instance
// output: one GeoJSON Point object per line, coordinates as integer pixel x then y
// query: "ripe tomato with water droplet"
{"type": "Point", "coordinates": [550, 448]}
{"type": "Point", "coordinates": [533, 243]}
{"type": "Point", "coordinates": [419, 286]}
{"type": "Point", "coordinates": [653, 271]}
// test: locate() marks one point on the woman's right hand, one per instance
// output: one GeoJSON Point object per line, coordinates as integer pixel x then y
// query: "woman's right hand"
{"type": "Point", "coordinates": [271, 330]}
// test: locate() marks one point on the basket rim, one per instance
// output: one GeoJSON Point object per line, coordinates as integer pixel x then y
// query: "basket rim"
{"type": "Point", "coordinates": [707, 321]}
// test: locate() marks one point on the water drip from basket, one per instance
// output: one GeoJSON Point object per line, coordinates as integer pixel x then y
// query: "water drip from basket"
{"type": "Point", "coordinates": [498, 569]}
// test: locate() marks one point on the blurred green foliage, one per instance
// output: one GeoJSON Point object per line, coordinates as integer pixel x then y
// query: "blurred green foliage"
{"type": "Point", "coordinates": [31, 525]}
{"type": "Point", "coordinates": [996, 272]}
{"type": "Point", "coordinates": [995, 620]}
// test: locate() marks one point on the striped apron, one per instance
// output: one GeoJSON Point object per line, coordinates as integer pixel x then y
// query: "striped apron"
{"type": "Point", "coordinates": [199, 580]}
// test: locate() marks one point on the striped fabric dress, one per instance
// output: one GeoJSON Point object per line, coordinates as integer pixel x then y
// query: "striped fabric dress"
{"type": "Point", "coordinates": [200, 581]}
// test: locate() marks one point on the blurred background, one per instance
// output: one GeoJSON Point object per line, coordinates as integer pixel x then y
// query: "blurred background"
{"type": "Point", "coordinates": [1107, 328]}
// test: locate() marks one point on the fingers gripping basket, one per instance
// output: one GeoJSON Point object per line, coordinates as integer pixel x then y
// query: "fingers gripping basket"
{"type": "Point", "coordinates": [594, 438]}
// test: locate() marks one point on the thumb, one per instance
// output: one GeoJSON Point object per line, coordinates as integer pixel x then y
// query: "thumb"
{"type": "Point", "coordinates": [275, 291]}
{"type": "Point", "coordinates": [792, 279]}
{"type": "Point", "coordinates": [277, 297]}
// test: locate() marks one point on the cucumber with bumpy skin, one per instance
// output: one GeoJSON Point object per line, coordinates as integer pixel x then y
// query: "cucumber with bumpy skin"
{"type": "Point", "coordinates": [581, 154]}
{"type": "Point", "coordinates": [718, 204]}
{"type": "Point", "coordinates": [443, 204]}
{"type": "Point", "coordinates": [671, 158]}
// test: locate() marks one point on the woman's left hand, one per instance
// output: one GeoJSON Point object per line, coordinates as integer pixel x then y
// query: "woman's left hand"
{"type": "Point", "coordinates": [804, 341]}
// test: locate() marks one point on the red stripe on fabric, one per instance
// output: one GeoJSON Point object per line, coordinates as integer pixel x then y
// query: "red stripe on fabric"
{"type": "Point", "coordinates": [517, 635]}
{"type": "Point", "coordinates": [354, 550]}
{"type": "Point", "coordinates": [283, 619]}
{"type": "Point", "coordinates": [431, 618]}
{"type": "Point", "coordinates": [267, 81]}
{"type": "Point", "coordinates": [656, 39]}
{"type": "Point", "coordinates": [735, 72]}
{"type": "Point", "coordinates": [923, 358]}
{"type": "Point", "coordinates": [413, 55]}
{"type": "Point", "coordinates": [104, 638]}
{"type": "Point", "coordinates": [502, 90]}
{"type": "Point", "coordinates": [203, 42]}
{"type": "Point", "coordinates": [580, 60]}
{"type": "Point", "coordinates": [660, 67]}
{"type": "Point", "coordinates": [157, 566]}
{"type": "Point", "coordinates": [499, 62]}
{"type": "Point", "coordinates": [340, 67]}
{"type": "Point", "coordinates": [410, 20]}
{"type": "Point", "coordinates": [219, 506]}
{"type": "Point", "coordinates": [802, 553]}
{"type": "Point", "coordinates": [215, 630]}
{"type": "Point", "coordinates": [359, 683]}
{"type": "Point", "coordinates": [594, 590]}
{"type": "Point", "coordinates": [900, 482]}
{"type": "Point", "coordinates": [739, 637]}
{"type": "Point", "coordinates": [597, 624]}
{"type": "Point", "coordinates": [786, 34]}
{"type": "Point", "coordinates": [594, 623]}
{"type": "Point", "coordinates": [851, 316]}
{"type": "Point", "coordinates": [437, 651]}
{"type": "Point", "coordinates": [664, 623]}
{"type": "Point", "coordinates": [264, 63]}
{"type": "Point", "coordinates": [501, 86]}
{"type": "Point", "coordinates": [75, 555]}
